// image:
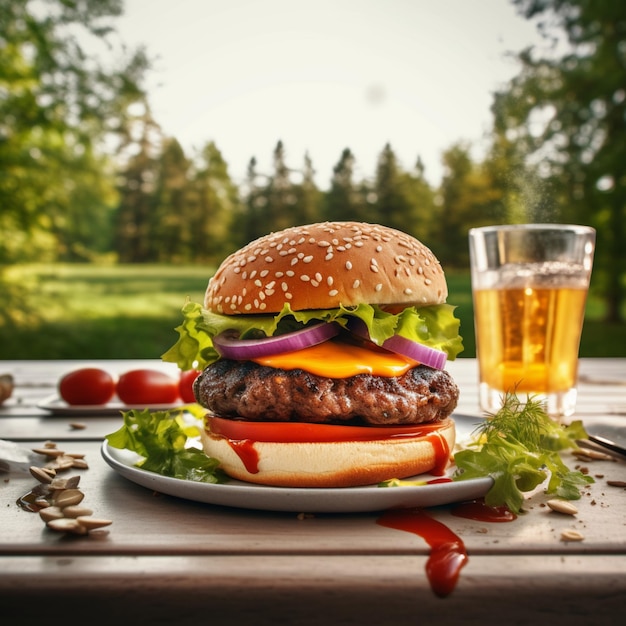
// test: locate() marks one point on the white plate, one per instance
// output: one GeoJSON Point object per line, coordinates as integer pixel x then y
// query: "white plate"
{"type": "Point", "coordinates": [346, 500]}
{"type": "Point", "coordinates": [58, 406]}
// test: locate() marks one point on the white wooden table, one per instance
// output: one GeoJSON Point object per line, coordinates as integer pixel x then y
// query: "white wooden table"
{"type": "Point", "coordinates": [170, 560]}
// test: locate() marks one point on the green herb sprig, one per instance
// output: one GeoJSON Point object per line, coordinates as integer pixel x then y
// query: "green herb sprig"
{"type": "Point", "coordinates": [519, 447]}
{"type": "Point", "coordinates": [161, 439]}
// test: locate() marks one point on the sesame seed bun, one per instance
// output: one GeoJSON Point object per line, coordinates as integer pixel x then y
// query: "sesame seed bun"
{"type": "Point", "coordinates": [338, 463]}
{"type": "Point", "coordinates": [324, 265]}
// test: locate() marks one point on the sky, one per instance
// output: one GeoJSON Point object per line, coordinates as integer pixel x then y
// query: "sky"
{"type": "Point", "coordinates": [324, 75]}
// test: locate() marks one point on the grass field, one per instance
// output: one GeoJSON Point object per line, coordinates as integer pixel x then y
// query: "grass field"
{"type": "Point", "coordinates": [130, 311]}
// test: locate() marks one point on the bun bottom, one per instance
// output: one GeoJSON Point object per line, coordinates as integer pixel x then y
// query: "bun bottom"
{"type": "Point", "coordinates": [332, 464]}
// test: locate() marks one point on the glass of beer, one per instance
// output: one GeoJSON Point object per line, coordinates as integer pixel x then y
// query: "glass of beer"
{"type": "Point", "coordinates": [529, 287]}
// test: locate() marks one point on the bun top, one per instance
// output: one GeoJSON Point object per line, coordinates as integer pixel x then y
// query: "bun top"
{"type": "Point", "coordinates": [321, 266]}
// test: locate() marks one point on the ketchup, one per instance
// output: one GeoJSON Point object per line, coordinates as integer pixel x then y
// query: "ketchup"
{"type": "Point", "coordinates": [478, 510]}
{"type": "Point", "coordinates": [448, 554]}
{"type": "Point", "coordinates": [245, 450]}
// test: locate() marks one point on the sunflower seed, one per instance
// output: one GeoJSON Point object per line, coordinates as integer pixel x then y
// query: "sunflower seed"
{"type": "Point", "coordinates": [562, 506]}
{"type": "Point", "coordinates": [40, 474]}
{"type": "Point", "coordinates": [68, 497]}
{"type": "Point", "coordinates": [570, 534]}
{"type": "Point", "coordinates": [67, 525]}
{"type": "Point", "coordinates": [51, 513]}
{"type": "Point", "coordinates": [91, 523]}
{"type": "Point", "coordinates": [76, 510]}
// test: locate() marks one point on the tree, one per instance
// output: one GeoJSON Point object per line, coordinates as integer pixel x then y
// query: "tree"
{"type": "Point", "coordinates": [344, 200]}
{"type": "Point", "coordinates": [468, 196]}
{"type": "Point", "coordinates": [397, 201]}
{"type": "Point", "coordinates": [169, 233]}
{"type": "Point", "coordinates": [137, 182]}
{"type": "Point", "coordinates": [212, 218]}
{"type": "Point", "coordinates": [308, 197]}
{"type": "Point", "coordinates": [58, 102]}
{"type": "Point", "coordinates": [569, 110]}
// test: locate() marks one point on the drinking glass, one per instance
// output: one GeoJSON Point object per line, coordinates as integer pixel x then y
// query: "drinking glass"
{"type": "Point", "coordinates": [529, 287]}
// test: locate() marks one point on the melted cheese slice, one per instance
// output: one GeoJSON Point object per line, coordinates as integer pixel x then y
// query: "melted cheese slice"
{"type": "Point", "coordinates": [340, 360]}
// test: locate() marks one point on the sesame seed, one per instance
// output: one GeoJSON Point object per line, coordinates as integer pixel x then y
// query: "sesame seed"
{"type": "Point", "coordinates": [284, 286]}
{"type": "Point", "coordinates": [408, 292]}
{"type": "Point", "coordinates": [305, 278]}
{"type": "Point", "coordinates": [356, 284]}
{"type": "Point", "coordinates": [330, 281]}
{"type": "Point", "coordinates": [261, 295]}
{"type": "Point", "coordinates": [290, 273]}
{"type": "Point", "coordinates": [269, 259]}
{"type": "Point", "coordinates": [248, 307]}
{"type": "Point", "coordinates": [315, 283]}
{"type": "Point", "coordinates": [323, 244]}
{"type": "Point", "coordinates": [252, 274]}
{"type": "Point", "coordinates": [374, 268]}
{"type": "Point", "coordinates": [378, 287]}
{"type": "Point", "coordinates": [263, 306]}
{"type": "Point", "coordinates": [288, 296]}
{"type": "Point", "coordinates": [258, 283]}
{"type": "Point", "coordinates": [308, 259]}
{"type": "Point", "coordinates": [427, 281]}
{"type": "Point", "coordinates": [279, 274]}
{"type": "Point", "coordinates": [333, 292]}
{"type": "Point", "coordinates": [348, 265]}
{"type": "Point", "coordinates": [379, 248]}
{"type": "Point", "coordinates": [237, 270]}
{"type": "Point", "coordinates": [328, 257]}
{"type": "Point", "coordinates": [294, 261]}
{"type": "Point", "coordinates": [318, 277]}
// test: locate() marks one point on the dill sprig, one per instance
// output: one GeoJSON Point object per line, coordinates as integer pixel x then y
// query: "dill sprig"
{"type": "Point", "coordinates": [520, 448]}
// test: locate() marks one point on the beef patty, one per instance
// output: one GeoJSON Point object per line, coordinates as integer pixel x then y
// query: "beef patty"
{"type": "Point", "coordinates": [256, 392]}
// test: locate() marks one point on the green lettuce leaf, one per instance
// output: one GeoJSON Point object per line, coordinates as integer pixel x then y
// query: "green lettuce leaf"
{"type": "Point", "coordinates": [519, 447]}
{"type": "Point", "coordinates": [434, 326]}
{"type": "Point", "coordinates": [161, 439]}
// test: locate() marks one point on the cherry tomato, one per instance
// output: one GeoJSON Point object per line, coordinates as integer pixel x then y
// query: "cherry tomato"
{"type": "Point", "coordinates": [289, 432]}
{"type": "Point", "coordinates": [146, 386]}
{"type": "Point", "coordinates": [88, 385]}
{"type": "Point", "coordinates": [185, 385]}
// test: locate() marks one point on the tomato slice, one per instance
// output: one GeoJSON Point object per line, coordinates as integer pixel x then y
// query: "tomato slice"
{"type": "Point", "coordinates": [301, 432]}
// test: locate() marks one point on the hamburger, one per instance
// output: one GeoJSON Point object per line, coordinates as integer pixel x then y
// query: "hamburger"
{"type": "Point", "coordinates": [322, 351]}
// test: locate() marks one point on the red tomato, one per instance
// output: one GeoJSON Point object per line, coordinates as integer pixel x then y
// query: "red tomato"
{"type": "Point", "coordinates": [289, 432]}
{"type": "Point", "coordinates": [185, 385]}
{"type": "Point", "coordinates": [88, 385]}
{"type": "Point", "coordinates": [146, 386]}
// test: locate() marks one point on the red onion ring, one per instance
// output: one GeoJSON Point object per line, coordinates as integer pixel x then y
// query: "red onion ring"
{"type": "Point", "coordinates": [229, 346]}
{"type": "Point", "coordinates": [401, 345]}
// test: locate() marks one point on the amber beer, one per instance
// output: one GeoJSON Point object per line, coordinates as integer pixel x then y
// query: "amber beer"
{"type": "Point", "coordinates": [529, 337]}
{"type": "Point", "coordinates": [529, 286]}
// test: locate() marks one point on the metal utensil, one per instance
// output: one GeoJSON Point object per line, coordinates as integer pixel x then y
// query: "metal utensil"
{"type": "Point", "coordinates": [607, 444]}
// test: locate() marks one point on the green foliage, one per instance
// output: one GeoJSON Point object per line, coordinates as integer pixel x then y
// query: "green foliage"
{"type": "Point", "coordinates": [161, 439]}
{"type": "Point", "coordinates": [130, 311]}
{"type": "Point", "coordinates": [567, 111]}
{"type": "Point", "coordinates": [520, 448]}
{"type": "Point", "coordinates": [58, 103]}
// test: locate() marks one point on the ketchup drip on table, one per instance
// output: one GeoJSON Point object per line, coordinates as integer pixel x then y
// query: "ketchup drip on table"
{"type": "Point", "coordinates": [448, 554]}
{"type": "Point", "coordinates": [478, 510]}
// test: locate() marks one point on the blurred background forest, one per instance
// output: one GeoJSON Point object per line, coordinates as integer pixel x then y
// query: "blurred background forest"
{"type": "Point", "coordinates": [107, 224]}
